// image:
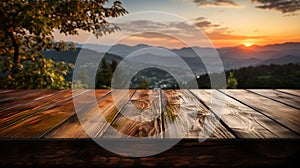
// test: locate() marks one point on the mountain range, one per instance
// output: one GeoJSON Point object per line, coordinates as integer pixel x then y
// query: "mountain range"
{"type": "Point", "coordinates": [232, 57]}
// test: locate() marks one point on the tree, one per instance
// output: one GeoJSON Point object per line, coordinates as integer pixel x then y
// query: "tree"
{"type": "Point", "coordinates": [103, 76]}
{"type": "Point", "coordinates": [231, 81]}
{"type": "Point", "coordinates": [143, 84]}
{"type": "Point", "coordinates": [113, 65]}
{"type": "Point", "coordinates": [82, 81]}
{"type": "Point", "coordinates": [27, 28]}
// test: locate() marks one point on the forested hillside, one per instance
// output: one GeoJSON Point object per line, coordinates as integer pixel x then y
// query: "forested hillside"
{"type": "Point", "coordinates": [264, 76]}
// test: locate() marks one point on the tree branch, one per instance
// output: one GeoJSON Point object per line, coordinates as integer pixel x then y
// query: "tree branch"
{"type": "Point", "coordinates": [15, 45]}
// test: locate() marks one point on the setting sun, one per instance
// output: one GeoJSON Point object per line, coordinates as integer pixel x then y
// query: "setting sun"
{"type": "Point", "coordinates": [248, 44]}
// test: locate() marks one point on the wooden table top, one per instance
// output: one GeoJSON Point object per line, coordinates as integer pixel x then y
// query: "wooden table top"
{"type": "Point", "coordinates": [189, 114]}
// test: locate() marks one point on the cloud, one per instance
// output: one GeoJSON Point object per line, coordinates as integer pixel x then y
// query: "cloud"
{"type": "Point", "coordinates": [153, 35]}
{"type": "Point", "coordinates": [218, 35]}
{"type": "Point", "coordinates": [200, 18]}
{"type": "Point", "coordinates": [220, 32]}
{"type": "Point", "coordinates": [142, 25]}
{"type": "Point", "coordinates": [224, 33]}
{"type": "Point", "coordinates": [216, 3]}
{"type": "Point", "coordinates": [206, 24]}
{"type": "Point", "coordinates": [163, 31]}
{"type": "Point", "coordinates": [284, 6]}
{"type": "Point", "coordinates": [179, 25]}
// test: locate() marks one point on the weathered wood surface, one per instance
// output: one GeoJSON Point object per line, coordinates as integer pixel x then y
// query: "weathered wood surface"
{"type": "Point", "coordinates": [287, 99]}
{"type": "Point", "coordinates": [94, 119]}
{"type": "Point", "coordinates": [159, 114]}
{"type": "Point", "coordinates": [140, 117]}
{"type": "Point", "coordinates": [185, 116]}
{"type": "Point", "coordinates": [72, 127]}
{"type": "Point", "coordinates": [284, 115]}
{"type": "Point", "coordinates": [242, 120]}
{"type": "Point", "coordinates": [290, 91]}
{"type": "Point", "coordinates": [34, 123]}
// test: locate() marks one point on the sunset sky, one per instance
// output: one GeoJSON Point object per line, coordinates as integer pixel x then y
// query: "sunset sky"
{"type": "Point", "coordinates": [225, 22]}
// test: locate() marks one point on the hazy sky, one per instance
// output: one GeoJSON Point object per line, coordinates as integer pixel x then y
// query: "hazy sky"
{"type": "Point", "coordinates": [225, 22]}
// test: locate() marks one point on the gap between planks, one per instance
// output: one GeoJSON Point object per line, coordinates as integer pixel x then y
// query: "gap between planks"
{"type": "Point", "coordinates": [73, 117]}
{"type": "Point", "coordinates": [279, 113]}
{"type": "Point", "coordinates": [290, 91]}
{"type": "Point", "coordinates": [244, 121]}
{"type": "Point", "coordinates": [139, 117]}
{"type": "Point", "coordinates": [161, 111]}
{"type": "Point", "coordinates": [287, 99]}
{"type": "Point", "coordinates": [92, 121]}
{"type": "Point", "coordinates": [187, 117]}
{"type": "Point", "coordinates": [34, 122]}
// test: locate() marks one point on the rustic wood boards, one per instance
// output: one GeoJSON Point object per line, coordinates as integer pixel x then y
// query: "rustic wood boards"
{"type": "Point", "coordinates": [245, 122]}
{"type": "Point", "coordinates": [284, 115]}
{"type": "Point", "coordinates": [189, 114]}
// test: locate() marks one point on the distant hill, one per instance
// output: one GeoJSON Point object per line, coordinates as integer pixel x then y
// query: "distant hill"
{"type": "Point", "coordinates": [282, 60]}
{"type": "Point", "coordinates": [232, 57]}
{"type": "Point", "coordinates": [71, 56]}
{"type": "Point", "coordinates": [250, 71]}
{"type": "Point", "coordinates": [91, 59]}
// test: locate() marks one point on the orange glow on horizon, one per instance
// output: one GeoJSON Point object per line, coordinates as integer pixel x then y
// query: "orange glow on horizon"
{"type": "Point", "coordinates": [248, 44]}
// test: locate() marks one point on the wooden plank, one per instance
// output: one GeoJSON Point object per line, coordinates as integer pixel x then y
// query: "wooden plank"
{"type": "Point", "coordinates": [27, 101]}
{"type": "Point", "coordinates": [72, 127]}
{"type": "Point", "coordinates": [140, 117]}
{"type": "Point", "coordinates": [184, 116]}
{"type": "Point", "coordinates": [11, 95]}
{"type": "Point", "coordinates": [11, 116]}
{"type": "Point", "coordinates": [11, 92]}
{"type": "Point", "coordinates": [35, 123]}
{"type": "Point", "coordinates": [19, 97]}
{"type": "Point", "coordinates": [290, 91]}
{"type": "Point", "coordinates": [285, 115]}
{"type": "Point", "coordinates": [287, 99]}
{"type": "Point", "coordinates": [6, 90]}
{"type": "Point", "coordinates": [244, 121]}
{"type": "Point", "coordinates": [94, 119]}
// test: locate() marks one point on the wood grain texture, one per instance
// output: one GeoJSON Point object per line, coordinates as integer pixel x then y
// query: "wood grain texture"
{"type": "Point", "coordinates": [121, 98]}
{"type": "Point", "coordinates": [290, 100]}
{"type": "Point", "coordinates": [18, 97]}
{"type": "Point", "coordinates": [10, 116]}
{"type": "Point", "coordinates": [244, 121]}
{"type": "Point", "coordinates": [72, 127]}
{"type": "Point", "coordinates": [140, 117]}
{"type": "Point", "coordinates": [290, 91]}
{"type": "Point", "coordinates": [11, 94]}
{"type": "Point", "coordinates": [184, 116]}
{"type": "Point", "coordinates": [94, 118]}
{"type": "Point", "coordinates": [6, 91]}
{"type": "Point", "coordinates": [285, 115]}
{"type": "Point", "coordinates": [34, 123]}
{"type": "Point", "coordinates": [149, 113]}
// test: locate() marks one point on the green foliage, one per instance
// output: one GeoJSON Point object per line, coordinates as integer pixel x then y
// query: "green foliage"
{"type": "Point", "coordinates": [143, 84]}
{"type": "Point", "coordinates": [42, 73]}
{"type": "Point", "coordinates": [231, 81]}
{"type": "Point", "coordinates": [262, 77]}
{"type": "Point", "coordinates": [113, 65]}
{"type": "Point", "coordinates": [105, 73]}
{"type": "Point", "coordinates": [140, 82]}
{"type": "Point", "coordinates": [269, 77]}
{"type": "Point", "coordinates": [27, 28]}
{"type": "Point", "coordinates": [150, 78]}
{"type": "Point", "coordinates": [82, 81]}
